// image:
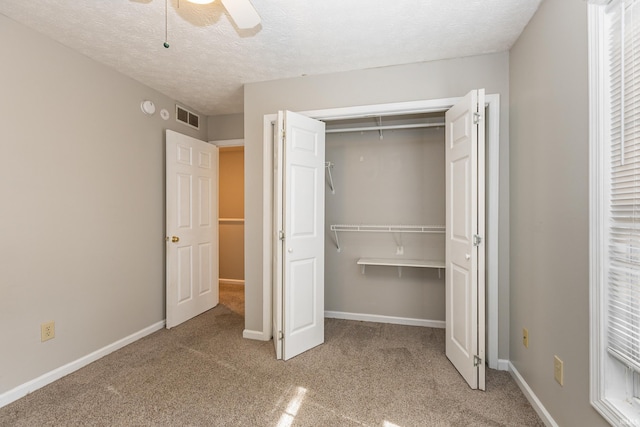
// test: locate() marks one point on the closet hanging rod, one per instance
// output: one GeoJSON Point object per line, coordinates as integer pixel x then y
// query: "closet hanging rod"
{"type": "Point", "coordinates": [386, 127]}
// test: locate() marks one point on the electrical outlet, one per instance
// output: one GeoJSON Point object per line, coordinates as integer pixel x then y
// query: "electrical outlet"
{"type": "Point", "coordinates": [47, 331]}
{"type": "Point", "coordinates": [525, 337]}
{"type": "Point", "coordinates": [558, 370]}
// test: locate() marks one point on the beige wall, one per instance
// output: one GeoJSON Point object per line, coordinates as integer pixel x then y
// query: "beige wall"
{"type": "Point", "coordinates": [231, 205]}
{"type": "Point", "coordinates": [430, 80]}
{"type": "Point", "coordinates": [227, 126]}
{"type": "Point", "coordinates": [549, 209]}
{"type": "Point", "coordinates": [397, 180]}
{"type": "Point", "coordinates": [82, 187]}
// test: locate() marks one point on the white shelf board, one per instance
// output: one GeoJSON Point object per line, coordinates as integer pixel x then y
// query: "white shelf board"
{"type": "Point", "coordinates": [398, 262]}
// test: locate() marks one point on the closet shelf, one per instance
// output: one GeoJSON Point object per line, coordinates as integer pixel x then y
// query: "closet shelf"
{"type": "Point", "coordinates": [431, 229]}
{"type": "Point", "coordinates": [397, 262]}
{"type": "Point", "coordinates": [231, 220]}
{"type": "Point", "coordinates": [380, 128]}
{"type": "Point", "coordinates": [390, 228]}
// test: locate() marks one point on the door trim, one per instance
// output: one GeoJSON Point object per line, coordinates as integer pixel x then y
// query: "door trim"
{"type": "Point", "coordinates": [228, 142]}
{"type": "Point", "coordinates": [492, 102]}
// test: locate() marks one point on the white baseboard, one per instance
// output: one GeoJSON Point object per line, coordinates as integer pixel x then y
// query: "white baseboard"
{"type": "Point", "coordinates": [385, 319]}
{"type": "Point", "coordinates": [503, 365]}
{"type": "Point", "coordinates": [51, 376]}
{"type": "Point", "coordinates": [531, 396]}
{"type": "Point", "coordinates": [232, 281]}
{"type": "Point", "coordinates": [261, 336]}
{"type": "Point", "coordinates": [255, 335]}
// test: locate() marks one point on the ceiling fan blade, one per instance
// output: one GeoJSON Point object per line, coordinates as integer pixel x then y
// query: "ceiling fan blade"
{"type": "Point", "coordinates": [242, 12]}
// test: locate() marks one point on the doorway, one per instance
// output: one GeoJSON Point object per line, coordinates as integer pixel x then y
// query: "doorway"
{"type": "Point", "coordinates": [231, 227]}
{"type": "Point", "coordinates": [438, 105]}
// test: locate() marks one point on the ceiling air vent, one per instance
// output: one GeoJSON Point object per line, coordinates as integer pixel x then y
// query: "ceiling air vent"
{"type": "Point", "coordinates": [187, 117]}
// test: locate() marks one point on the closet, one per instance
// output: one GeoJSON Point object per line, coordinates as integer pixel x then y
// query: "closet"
{"type": "Point", "coordinates": [403, 200]}
{"type": "Point", "coordinates": [385, 219]}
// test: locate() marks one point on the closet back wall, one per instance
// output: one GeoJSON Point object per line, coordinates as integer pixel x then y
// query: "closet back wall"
{"type": "Point", "coordinates": [397, 180]}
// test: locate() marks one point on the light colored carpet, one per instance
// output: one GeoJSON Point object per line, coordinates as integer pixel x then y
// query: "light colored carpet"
{"type": "Point", "coordinates": [232, 296]}
{"type": "Point", "coordinates": [203, 373]}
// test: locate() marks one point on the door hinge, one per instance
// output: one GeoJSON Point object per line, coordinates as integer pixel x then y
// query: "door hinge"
{"type": "Point", "coordinates": [281, 235]}
{"type": "Point", "coordinates": [284, 134]}
{"type": "Point", "coordinates": [477, 118]}
{"type": "Point", "coordinates": [477, 361]}
{"type": "Point", "coordinates": [280, 336]}
{"type": "Point", "coordinates": [477, 240]}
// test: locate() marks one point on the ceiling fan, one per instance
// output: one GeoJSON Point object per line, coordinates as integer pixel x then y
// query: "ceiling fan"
{"type": "Point", "coordinates": [242, 12]}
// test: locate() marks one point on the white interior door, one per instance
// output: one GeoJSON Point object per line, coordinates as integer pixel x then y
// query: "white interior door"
{"type": "Point", "coordinates": [465, 293]}
{"type": "Point", "coordinates": [301, 235]}
{"type": "Point", "coordinates": [192, 227]}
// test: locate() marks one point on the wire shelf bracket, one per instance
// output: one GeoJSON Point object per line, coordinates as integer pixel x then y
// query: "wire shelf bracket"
{"type": "Point", "coordinates": [329, 166]}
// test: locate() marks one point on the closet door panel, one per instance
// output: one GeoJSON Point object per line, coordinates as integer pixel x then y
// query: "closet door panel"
{"type": "Point", "coordinates": [303, 223]}
{"type": "Point", "coordinates": [464, 287]}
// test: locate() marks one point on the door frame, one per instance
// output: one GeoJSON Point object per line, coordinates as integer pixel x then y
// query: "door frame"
{"type": "Point", "coordinates": [492, 102]}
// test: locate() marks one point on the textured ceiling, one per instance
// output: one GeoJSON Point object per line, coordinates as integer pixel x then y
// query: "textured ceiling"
{"type": "Point", "coordinates": [209, 59]}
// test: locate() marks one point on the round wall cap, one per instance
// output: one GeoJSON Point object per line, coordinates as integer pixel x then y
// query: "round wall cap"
{"type": "Point", "coordinates": [148, 107]}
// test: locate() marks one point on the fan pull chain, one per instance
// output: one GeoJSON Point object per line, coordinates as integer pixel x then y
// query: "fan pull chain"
{"type": "Point", "coordinates": [166, 24]}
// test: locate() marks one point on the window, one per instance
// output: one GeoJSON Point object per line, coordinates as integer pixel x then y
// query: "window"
{"type": "Point", "coordinates": [614, 62]}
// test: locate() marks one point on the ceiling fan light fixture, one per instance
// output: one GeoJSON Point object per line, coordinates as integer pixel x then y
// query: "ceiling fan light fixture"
{"type": "Point", "coordinates": [201, 1]}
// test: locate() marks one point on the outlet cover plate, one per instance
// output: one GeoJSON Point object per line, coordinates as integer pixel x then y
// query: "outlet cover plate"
{"type": "Point", "coordinates": [558, 370]}
{"type": "Point", "coordinates": [47, 331]}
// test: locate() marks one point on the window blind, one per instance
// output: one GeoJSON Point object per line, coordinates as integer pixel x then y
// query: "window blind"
{"type": "Point", "coordinates": [623, 266]}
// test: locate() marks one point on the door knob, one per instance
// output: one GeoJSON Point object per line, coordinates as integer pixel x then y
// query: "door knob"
{"type": "Point", "coordinates": [289, 250]}
{"type": "Point", "coordinates": [467, 256]}
{"type": "Point", "coordinates": [175, 239]}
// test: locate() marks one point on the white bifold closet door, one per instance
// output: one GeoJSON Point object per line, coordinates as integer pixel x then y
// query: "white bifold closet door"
{"type": "Point", "coordinates": [299, 254]}
{"type": "Point", "coordinates": [192, 227]}
{"type": "Point", "coordinates": [464, 258]}
{"type": "Point", "coordinates": [298, 315]}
